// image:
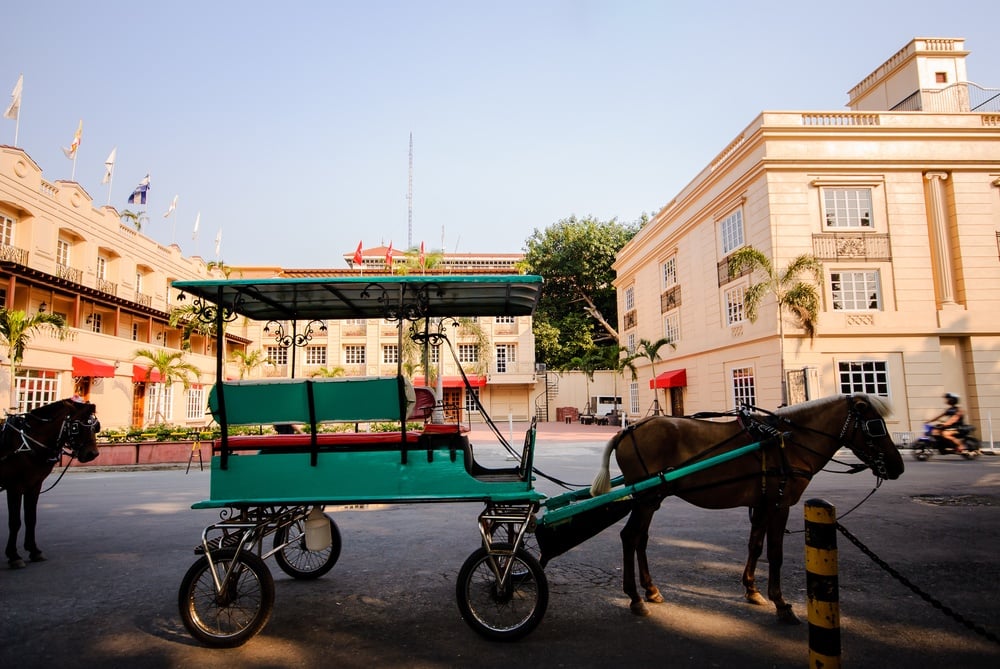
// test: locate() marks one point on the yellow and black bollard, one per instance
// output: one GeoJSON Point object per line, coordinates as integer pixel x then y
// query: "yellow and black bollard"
{"type": "Point", "coordinates": [822, 590]}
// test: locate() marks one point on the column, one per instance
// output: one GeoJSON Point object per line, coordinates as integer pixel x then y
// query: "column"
{"type": "Point", "coordinates": [940, 242]}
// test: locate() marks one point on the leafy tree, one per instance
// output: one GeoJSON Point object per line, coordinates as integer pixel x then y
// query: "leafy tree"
{"type": "Point", "coordinates": [16, 329]}
{"type": "Point", "coordinates": [172, 369]}
{"type": "Point", "coordinates": [575, 256]}
{"type": "Point", "coordinates": [792, 293]}
{"type": "Point", "coordinates": [651, 351]}
{"type": "Point", "coordinates": [247, 361]}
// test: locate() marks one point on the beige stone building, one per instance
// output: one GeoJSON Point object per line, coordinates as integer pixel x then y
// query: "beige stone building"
{"type": "Point", "coordinates": [898, 196]}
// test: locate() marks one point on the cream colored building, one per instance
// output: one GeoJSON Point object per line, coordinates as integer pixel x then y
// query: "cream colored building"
{"type": "Point", "coordinates": [62, 254]}
{"type": "Point", "coordinates": [898, 196]}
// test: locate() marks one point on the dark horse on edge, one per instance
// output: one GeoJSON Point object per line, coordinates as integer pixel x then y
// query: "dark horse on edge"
{"type": "Point", "coordinates": [30, 446]}
{"type": "Point", "coordinates": [796, 442]}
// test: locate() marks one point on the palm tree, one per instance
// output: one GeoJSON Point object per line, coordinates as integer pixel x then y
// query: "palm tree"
{"type": "Point", "coordinates": [136, 218]}
{"type": "Point", "coordinates": [16, 329]}
{"type": "Point", "coordinates": [801, 298]}
{"type": "Point", "coordinates": [651, 351]}
{"type": "Point", "coordinates": [620, 358]}
{"type": "Point", "coordinates": [588, 363]}
{"type": "Point", "coordinates": [247, 361]}
{"type": "Point", "coordinates": [171, 368]}
{"type": "Point", "coordinates": [186, 318]}
{"type": "Point", "coordinates": [328, 372]}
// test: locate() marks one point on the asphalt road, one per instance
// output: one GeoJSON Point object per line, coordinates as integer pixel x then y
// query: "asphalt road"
{"type": "Point", "coordinates": [119, 543]}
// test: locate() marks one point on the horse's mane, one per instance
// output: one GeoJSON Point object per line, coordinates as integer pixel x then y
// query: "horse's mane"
{"type": "Point", "coordinates": [880, 404]}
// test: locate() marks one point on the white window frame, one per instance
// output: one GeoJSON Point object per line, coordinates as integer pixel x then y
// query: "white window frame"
{"type": "Point", "coordinates": [63, 252]}
{"type": "Point", "coordinates": [628, 298]}
{"type": "Point", "coordinates": [633, 397]}
{"type": "Point", "coordinates": [505, 319]}
{"type": "Point", "coordinates": [731, 232]}
{"type": "Point", "coordinates": [355, 354]}
{"type": "Point", "coordinates": [672, 326]}
{"type": "Point", "coordinates": [102, 268]}
{"type": "Point", "coordinates": [96, 321]}
{"type": "Point", "coordinates": [506, 356]}
{"type": "Point", "coordinates": [390, 354]}
{"type": "Point", "coordinates": [314, 355]}
{"type": "Point", "coordinates": [195, 403]}
{"type": "Point", "coordinates": [668, 273]}
{"type": "Point", "coordinates": [35, 388]}
{"type": "Point", "coordinates": [468, 353]}
{"type": "Point", "coordinates": [630, 342]}
{"type": "Point", "coordinates": [863, 376]}
{"type": "Point", "coordinates": [138, 282]}
{"type": "Point", "coordinates": [859, 290]}
{"type": "Point", "coordinates": [733, 303]}
{"type": "Point", "coordinates": [7, 226]}
{"type": "Point", "coordinates": [743, 386]}
{"type": "Point", "coordinates": [470, 404]}
{"type": "Point", "coordinates": [278, 355]}
{"type": "Point", "coordinates": [153, 391]}
{"type": "Point", "coordinates": [848, 207]}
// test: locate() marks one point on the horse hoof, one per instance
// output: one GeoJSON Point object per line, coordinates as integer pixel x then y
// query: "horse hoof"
{"type": "Point", "coordinates": [38, 557]}
{"type": "Point", "coordinates": [786, 616]}
{"type": "Point", "coordinates": [756, 598]}
{"type": "Point", "coordinates": [654, 597]}
{"type": "Point", "coordinates": [16, 564]}
{"type": "Point", "coordinates": [639, 609]}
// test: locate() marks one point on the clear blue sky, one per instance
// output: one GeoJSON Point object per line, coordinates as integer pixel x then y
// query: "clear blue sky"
{"type": "Point", "coordinates": [286, 124]}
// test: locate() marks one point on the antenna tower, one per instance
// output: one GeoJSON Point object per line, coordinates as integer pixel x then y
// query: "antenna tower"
{"type": "Point", "coordinates": [409, 200]}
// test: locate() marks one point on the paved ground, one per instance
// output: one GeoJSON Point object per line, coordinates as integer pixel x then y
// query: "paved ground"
{"type": "Point", "coordinates": [119, 543]}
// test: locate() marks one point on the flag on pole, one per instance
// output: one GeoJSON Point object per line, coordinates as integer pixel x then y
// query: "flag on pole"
{"type": "Point", "coordinates": [14, 109]}
{"type": "Point", "coordinates": [109, 166]}
{"type": "Point", "coordinates": [358, 258]}
{"type": "Point", "coordinates": [170, 209]}
{"type": "Point", "coordinates": [423, 258]}
{"type": "Point", "coordinates": [218, 242]}
{"type": "Point", "coordinates": [197, 220]}
{"type": "Point", "coordinates": [138, 196]}
{"type": "Point", "coordinates": [388, 257]}
{"type": "Point", "coordinates": [71, 151]}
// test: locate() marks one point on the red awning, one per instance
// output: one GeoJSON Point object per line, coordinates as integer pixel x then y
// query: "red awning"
{"type": "Point", "coordinates": [92, 367]}
{"type": "Point", "coordinates": [475, 381]}
{"type": "Point", "coordinates": [676, 378]}
{"type": "Point", "coordinates": [139, 373]}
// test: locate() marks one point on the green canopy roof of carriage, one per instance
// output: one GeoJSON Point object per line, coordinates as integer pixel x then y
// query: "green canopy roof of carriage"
{"type": "Point", "coordinates": [371, 297]}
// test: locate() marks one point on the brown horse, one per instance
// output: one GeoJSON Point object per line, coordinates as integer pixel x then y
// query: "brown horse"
{"type": "Point", "coordinates": [30, 446]}
{"type": "Point", "coordinates": [796, 442]}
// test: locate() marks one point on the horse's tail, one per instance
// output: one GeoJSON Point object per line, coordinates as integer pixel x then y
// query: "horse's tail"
{"type": "Point", "coordinates": [602, 482]}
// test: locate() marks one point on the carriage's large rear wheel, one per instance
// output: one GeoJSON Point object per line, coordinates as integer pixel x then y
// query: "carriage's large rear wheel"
{"type": "Point", "coordinates": [296, 560]}
{"type": "Point", "coordinates": [508, 612]}
{"type": "Point", "coordinates": [235, 615]}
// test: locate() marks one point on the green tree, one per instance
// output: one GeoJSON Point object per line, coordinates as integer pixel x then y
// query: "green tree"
{"type": "Point", "coordinates": [328, 372]}
{"type": "Point", "coordinates": [651, 351]}
{"type": "Point", "coordinates": [16, 329]}
{"type": "Point", "coordinates": [793, 294]}
{"type": "Point", "coordinates": [621, 360]}
{"type": "Point", "coordinates": [588, 363]}
{"type": "Point", "coordinates": [136, 218]}
{"type": "Point", "coordinates": [247, 361]}
{"type": "Point", "coordinates": [171, 367]}
{"type": "Point", "coordinates": [575, 256]}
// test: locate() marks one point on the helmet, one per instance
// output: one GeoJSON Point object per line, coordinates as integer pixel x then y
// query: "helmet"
{"type": "Point", "coordinates": [951, 398]}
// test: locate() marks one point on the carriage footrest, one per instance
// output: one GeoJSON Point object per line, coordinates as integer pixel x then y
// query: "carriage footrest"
{"type": "Point", "coordinates": [227, 541]}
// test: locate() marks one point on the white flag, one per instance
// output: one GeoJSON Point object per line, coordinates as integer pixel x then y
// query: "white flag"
{"type": "Point", "coordinates": [109, 166]}
{"type": "Point", "coordinates": [197, 220]}
{"type": "Point", "coordinates": [218, 242]}
{"type": "Point", "coordinates": [77, 136]}
{"type": "Point", "coordinates": [170, 209]}
{"type": "Point", "coordinates": [15, 100]}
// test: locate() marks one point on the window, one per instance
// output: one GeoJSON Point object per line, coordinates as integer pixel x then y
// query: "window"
{"type": "Point", "coordinates": [505, 357]}
{"type": "Point", "coordinates": [941, 77]}
{"type": "Point", "coordinates": [195, 409]}
{"type": "Point", "coordinates": [95, 322]}
{"type": "Point", "coordinates": [36, 388]}
{"type": "Point", "coordinates": [504, 319]}
{"type": "Point", "coordinates": [672, 326]}
{"type": "Point", "coordinates": [354, 321]}
{"type": "Point", "coordinates": [855, 291]}
{"type": "Point", "coordinates": [468, 353]}
{"type": "Point", "coordinates": [354, 354]}
{"type": "Point", "coordinates": [471, 400]}
{"type": "Point", "coordinates": [435, 354]}
{"type": "Point", "coordinates": [669, 272]}
{"type": "Point", "coordinates": [630, 298]}
{"type": "Point", "coordinates": [62, 253]}
{"type": "Point", "coordinates": [633, 397]}
{"type": "Point", "coordinates": [744, 391]}
{"type": "Point", "coordinates": [315, 355]}
{"type": "Point", "coordinates": [102, 268]}
{"type": "Point", "coordinates": [734, 305]}
{"type": "Point", "coordinates": [135, 332]}
{"type": "Point", "coordinates": [390, 353]}
{"type": "Point", "coordinates": [6, 231]}
{"type": "Point", "coordinates": [731, 231]}
{"type": "Point", "coordinates": [138, 282]}
{"type": "Point", "coordinates": [276, 354]}
{"type": "Point", "coordinates": [848, 207]}
{"type": "Point", "coordinates": [158, 411]}
{"type": "Point", "coordinates": [864, 376]}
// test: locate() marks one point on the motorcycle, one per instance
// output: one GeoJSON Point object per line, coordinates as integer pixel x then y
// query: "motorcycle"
{"type": "Point", "coordinates": [931, 443]}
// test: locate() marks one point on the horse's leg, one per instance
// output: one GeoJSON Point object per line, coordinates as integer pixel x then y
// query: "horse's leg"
{"type": "Point", "coordinates": [758, 528]}
{"type": "Point", "coordinates": [645, 578]}
{"type": "Point", "coordinates": [634, 536]}
{"type": "Point", "coordinates": [30, 520]}
{"type": "Point", "coordinates": [14, 527]}
{"type": "Point", "coordinates": [775, 558]}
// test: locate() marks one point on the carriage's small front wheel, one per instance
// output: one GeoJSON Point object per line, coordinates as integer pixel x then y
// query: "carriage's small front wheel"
{"type": "Point", "coordinates": [234, 615]}
{"type": "Point", "coordinates": [294, 557]}
{"type": "Point", "coordinates": [502, 612]}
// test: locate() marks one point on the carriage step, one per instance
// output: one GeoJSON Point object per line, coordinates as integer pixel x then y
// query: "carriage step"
{"type": "Point", "coordinates": [227, 541]}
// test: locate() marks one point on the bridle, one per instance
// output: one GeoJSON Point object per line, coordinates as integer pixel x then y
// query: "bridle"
{"type": "Point", "coordinates": [69, 441]}
{"type": "Point", "coordinates": [872, 429]}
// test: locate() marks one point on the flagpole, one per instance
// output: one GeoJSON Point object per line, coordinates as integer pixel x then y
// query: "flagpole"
{"type": "Point", "coordinates": [17, 122]}
{"type": "Point", "coordinates": [72, 176]}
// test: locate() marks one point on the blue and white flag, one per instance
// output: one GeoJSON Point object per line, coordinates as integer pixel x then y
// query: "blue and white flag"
{"type": "Point", "coordinates": [138, 196]}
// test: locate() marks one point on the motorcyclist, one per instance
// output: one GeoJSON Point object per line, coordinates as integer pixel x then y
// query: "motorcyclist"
{"type": "Point", "coordinates": [947, 423]}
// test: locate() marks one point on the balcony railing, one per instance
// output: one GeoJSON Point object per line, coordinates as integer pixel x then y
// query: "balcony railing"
{"type": "Point", "coordinates": [69, 273]}
{"type": "Point", "coordinates": [670, 299]}
{"type": "Point", "coordinates": [867, 246]}
{"type": "Point", "coordinates": [13, 254]}
{"type": "Point", "coordinates": [143, 299]}
{"type": "Point", "coordinates": [960, 97]}
{"type": "Point", "coordinates": [109, 287]}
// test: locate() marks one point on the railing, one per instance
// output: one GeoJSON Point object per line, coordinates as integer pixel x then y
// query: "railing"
{"type": "Point", "coordinates": [854, 246]}
{"type": "Point", "coordinates": [670, 299]}
{"type": "Point", "coordinates": [725, 276]}
{"type": "Point", "coordinates": [961, 97]}
{"type": "Point", "coordinates": [631, 319]}
{"type": "Point", "coordinates": [13, 254]}
{"type": "Point", "coordinates": [840, 119]}
{"type": "Point", "coordinates": [144, 300]}
{"type": "Point", "coordinates": [69, 273]}
{"type": "Point", "coordinates": [109, 287]}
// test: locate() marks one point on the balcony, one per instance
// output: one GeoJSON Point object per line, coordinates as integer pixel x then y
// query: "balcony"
{"type": "Point", "coordinates": [13, 254]}
{"type": "Point", "coordinates": [109, 287]}
{"type": "Point", "coordinates": [143, 299]}
{"type": "Point", "coordinates": [867, 246]}
{"type": "Point", "coordinates": [69, 273]}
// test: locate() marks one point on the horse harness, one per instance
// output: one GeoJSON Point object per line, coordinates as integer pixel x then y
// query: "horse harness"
{"type": "Point", "coordinates": [66, 443]}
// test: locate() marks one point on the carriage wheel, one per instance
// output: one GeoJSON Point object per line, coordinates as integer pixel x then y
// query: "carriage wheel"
{"type": "Point", "coordinates": [298, 561]}
{"type": "Point", "coordinates": [507, 613]}
{"type": "Point", "coordinates": [240, 611]}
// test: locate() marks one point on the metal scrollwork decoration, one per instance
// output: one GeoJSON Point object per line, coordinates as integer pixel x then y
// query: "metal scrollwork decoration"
{"type": "Point", "coordinates": [295, 338]}
{"type": "Point", "coordinates": [436, 336]}
{"type": "Point", "coordinates": [413, 305]}
{"type": "Point", "coordinates": [206, 311]}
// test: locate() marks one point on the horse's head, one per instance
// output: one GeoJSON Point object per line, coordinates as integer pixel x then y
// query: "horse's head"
{"type": "Point", "coordinates": [865, 433]}
{"type": "Point", "coordinates": [78, 433]}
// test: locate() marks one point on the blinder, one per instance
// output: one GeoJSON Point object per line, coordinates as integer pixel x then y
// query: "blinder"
{"type": "Point", "coordinates": [875, 428]}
